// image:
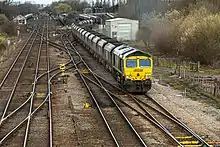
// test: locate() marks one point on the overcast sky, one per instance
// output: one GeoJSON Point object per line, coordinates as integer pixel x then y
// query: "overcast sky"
{"type": "Point", "coordinates": [43, 1]}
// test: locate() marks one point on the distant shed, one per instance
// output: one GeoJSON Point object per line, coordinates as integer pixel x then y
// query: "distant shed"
{"type": "Point", "coordinates": [122, 28]}
{"type": "Point", "coordinates": [20, 19]}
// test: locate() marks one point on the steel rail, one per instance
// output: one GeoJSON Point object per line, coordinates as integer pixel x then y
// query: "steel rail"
{"type": "Point", "coordinates": [180, 123]}
{"type": "Point", "coordinates": [32, 94]}
{"type": "Point", "coordinates": [16, 82]}
{"type": "Point", "coordinates": [19, 54]}
{"type": "Point", "coordinates": [155, 122]}
{"type": "Point", "coordinates": [56, 45]}
{"type": "Point", "coordinates": [23, 104]}
{"type": "Point", "coordinates": [59, 46]}
{"type": "Point", "coordinates": [158, 124]}
{"type": "Point", "coordinates": [122, 113]}
{"type": "Point", "coordinates": [33, 90]}
{"type": "Point", "coordinates": [165, 130]}
{"type": "Point", "coordinates": [22, 122]}
{"type": "Point", "coordinates": [91, 94]}
{"type": "Point", "coordinates": [52, 70]}
{"type": "Point", "coordinates": [31, 115]}
{"type": "Point", "coordinates": [177, 121]}
{"type": "Point", "coordinates": [49, 89]}
{"type": "Point", "coordinates": [113, 85]}
{"type": "Point", "coordinates": [171, 117]}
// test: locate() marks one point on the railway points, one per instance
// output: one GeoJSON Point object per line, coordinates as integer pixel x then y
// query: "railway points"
{"type": "Point", "coordinates": [89, 109]}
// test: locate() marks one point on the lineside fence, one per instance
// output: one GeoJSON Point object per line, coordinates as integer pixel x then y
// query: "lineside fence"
{"type": "Point", "coordinates": [191, 72]}
{"type": "Point", "coordinates": [9, 48]}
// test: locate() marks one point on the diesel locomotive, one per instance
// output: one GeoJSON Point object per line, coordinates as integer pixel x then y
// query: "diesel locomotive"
{"type": "Point", "coordinates": [131, 67]}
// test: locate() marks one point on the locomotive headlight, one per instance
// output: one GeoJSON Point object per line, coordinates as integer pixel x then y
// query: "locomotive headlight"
{"type": "Point", "coordinates": [148, 76]}
{"type": "Point", "coordinates": [127, 77]}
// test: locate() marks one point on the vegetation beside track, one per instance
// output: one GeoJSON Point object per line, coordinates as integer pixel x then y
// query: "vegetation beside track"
{"type": "Point", "coordinates": [7, 29]}
{"type": "Point", "coordinates": [187, 88]}
{"type": "Point", "coordinates": [190, 32]}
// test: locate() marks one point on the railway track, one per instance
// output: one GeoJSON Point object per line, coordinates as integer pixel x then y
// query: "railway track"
{"type": "Point", "coordinates": [177, 132]}
{"type": "Point", "coordinates": [120, 128]}
{"type": "Point", "coordinates": [11, 87]}
{"type": "Point", "coordinates": [26, 118]}
{"type": "Point", "coordinates": [25, 90]}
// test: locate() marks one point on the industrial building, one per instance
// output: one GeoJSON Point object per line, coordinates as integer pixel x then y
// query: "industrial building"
{"type": "Point", "coordinates": [121, 28]}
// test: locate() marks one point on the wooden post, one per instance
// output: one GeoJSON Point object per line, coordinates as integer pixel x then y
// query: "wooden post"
{"type": "Point", "coordinates": [198, 66]}
{"type": "Point", "coordinates": [202, 80]}
{"type": "Point", "coordinates": [160, 81]}
{"type": "Point", "coordinates": [190, 66]}
{"type": "Point", "coordinates": [179, 68]}
{"type": "Point", "coordinates": [215, 86]}
{"type": "Point", "coordinates": [207, 85]}
{"type": "Point", "coordinates": [157, 61]}
{"type": "Point", "coordinates": [14, 46]}
{"type": "Point", "coordinates": [8, 42]}
{"type": "Point", "coordinates": [184, 73]}
{"type": "Point", "coordinates": [217, 90]}
{"type": "Point", "coordinates": [18, 33]}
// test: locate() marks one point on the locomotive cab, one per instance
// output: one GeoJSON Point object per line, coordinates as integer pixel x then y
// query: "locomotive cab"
{"type": "Point", "coordinates": [137, 73]}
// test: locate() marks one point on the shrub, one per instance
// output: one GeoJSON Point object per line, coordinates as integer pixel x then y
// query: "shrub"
{"type": "Point", "coordinates": [202, 43]}
{"type": "Point", "coordinates": [194, 35]}
{"type": "Point", "coordinates": [9, 28]}
{"type": "Point", "coordinates": [3, 19]}
{"type": "Point", "coordinates": [3, 46]}
{"type": "Point", "coordinates": [165, 39]}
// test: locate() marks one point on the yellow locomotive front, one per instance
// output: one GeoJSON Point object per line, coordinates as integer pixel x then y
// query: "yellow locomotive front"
{"type": "Point", "coordinates": [138, 73]}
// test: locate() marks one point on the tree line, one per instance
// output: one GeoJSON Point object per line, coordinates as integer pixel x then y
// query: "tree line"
{"type": "Point", "coordinates": [66, 6]}
{"type": "Point", "coordinates": [190, 31]}
{"type": "Point", "coordinates": [11, 9]}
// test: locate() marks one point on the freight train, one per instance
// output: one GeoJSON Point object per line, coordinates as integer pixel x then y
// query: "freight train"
{"type": "Point", "coordinates": [131, 67]}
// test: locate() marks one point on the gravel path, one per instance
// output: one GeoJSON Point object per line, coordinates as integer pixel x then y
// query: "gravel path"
{"type": "Point", "coordinates": [204, 119]}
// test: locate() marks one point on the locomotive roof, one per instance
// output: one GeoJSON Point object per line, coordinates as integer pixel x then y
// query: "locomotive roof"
{"type": "Point", "coordinates": [124, 51]}
{"type": "Point", "coordinates": [138, 53]}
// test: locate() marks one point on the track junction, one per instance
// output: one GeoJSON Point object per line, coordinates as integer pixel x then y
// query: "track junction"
{"type": "Point", "coordinates": [27, 91]}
